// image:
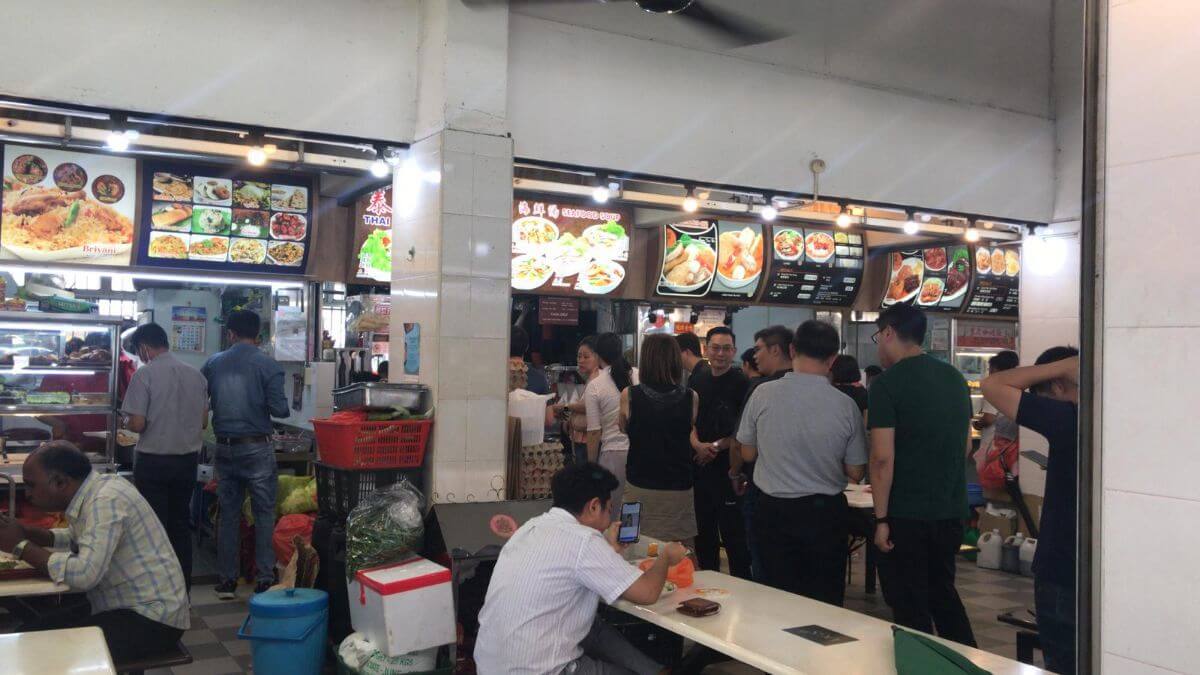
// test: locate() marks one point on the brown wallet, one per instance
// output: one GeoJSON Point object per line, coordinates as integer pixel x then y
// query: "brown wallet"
{"type": "Point", "coordinates": [699, 607]}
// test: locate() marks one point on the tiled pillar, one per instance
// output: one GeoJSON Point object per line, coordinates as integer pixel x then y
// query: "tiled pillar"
{"type": "Point", "coordinates": [456, 287]}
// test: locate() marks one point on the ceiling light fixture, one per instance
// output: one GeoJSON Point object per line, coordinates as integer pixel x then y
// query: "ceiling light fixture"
{"type": "Point", "coordinates": [600, 194]}
{"type": "Point", "coordinates": [843, 218]}
{"type": "Point", "coordinates": [925, 217]}
{"type": "Point", "coordinates": [380, 168]}
{"type": "Point", "coordinates": [704, 194]}
{"type": "Point", "coordinates": [769, 212]}
{"type": "Point", "coordinates": [910, 225]}
{"type": "Point", "coordinates": [118, 141]}
{"type": "Point", "coordinates": [256, 156]}
{"type": "Point", "coordinates": [690, 204]}
{"type": "Point", "coordinates": [971, 234]}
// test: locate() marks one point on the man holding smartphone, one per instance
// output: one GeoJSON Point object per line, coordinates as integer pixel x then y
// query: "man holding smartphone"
{"type": "Point", "coordinates": [539, 617]}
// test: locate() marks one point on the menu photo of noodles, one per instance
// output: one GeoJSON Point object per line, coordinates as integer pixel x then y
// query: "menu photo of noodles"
{"type": "Point", "coordinates": [60, 206]}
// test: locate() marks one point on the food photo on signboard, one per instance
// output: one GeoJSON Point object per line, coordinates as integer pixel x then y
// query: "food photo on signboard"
{"type": "Point", "coordinates": [570, 249]}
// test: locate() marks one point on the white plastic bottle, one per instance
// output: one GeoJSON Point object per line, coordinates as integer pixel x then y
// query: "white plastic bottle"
{"type": "Point", "coordinates": [1028, 550]}
{"type": "Point", "coordinates": [989, 550]}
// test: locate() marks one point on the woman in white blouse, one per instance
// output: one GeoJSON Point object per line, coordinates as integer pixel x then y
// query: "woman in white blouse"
{"type": "Point", "coordinates": [606, 444]}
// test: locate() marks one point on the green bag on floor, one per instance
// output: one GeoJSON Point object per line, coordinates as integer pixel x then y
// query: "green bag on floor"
{"type": "Point", "coordinates": [918, 655]}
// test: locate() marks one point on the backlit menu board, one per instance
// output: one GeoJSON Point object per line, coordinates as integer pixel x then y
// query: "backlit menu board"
{"type": "Point", "coordinates": [373, 236]}
{"type": "Point", "coordinates": [997, 290]}
{"type": "Point", "coordinates": [689, 259]}
{"type": "Point", "coordinates": [566, 248]}
{"type": "Point", "coordinates": [814, 267]}
{"type": "Point", "coordinates": [197, 216]}
{"type": "Point", "coordinates": [932, 279]}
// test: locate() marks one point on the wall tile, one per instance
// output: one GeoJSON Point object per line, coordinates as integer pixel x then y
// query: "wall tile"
{"type": "Point", "coordinates": [1150, 556]}
{"type": "Point", "coordinates": [456, 361]}
{"type": "Point", "coordinates": [489, 308]}
{"type": "Point", "coordinates": [485, 481]}
{"type": "Point", "coordinates": [458, 175]}
{"type": "Point", "coordinates": [493, 187]}
{"type": "Point", "coordinates": [458, 141]}
{"type": "Point", "coordinates": [450, 433]}
{"type": "Point", "coordinates": [486, 382]}
{"type": "Point", "coordinates": [456, 244]}
{"type": "Point", "coordinates": [491, 247]}
{"type": "Point", "coordinates": [455, 307]}
{"type": "Point", "coordinates": [1111, 663]}
{"type": "Point", "coordinates": [487, 145]}
{"type": "Point", "coordinates": [449, 482]}
{"type": "Point", "coordinates": [485, 429]}
{"type": "Point", "coordinates": [1147, 219]}
{"type": "Point", "coordinates": [430, 371]}
{"type": "Point", "coordinates": [1144, 426]}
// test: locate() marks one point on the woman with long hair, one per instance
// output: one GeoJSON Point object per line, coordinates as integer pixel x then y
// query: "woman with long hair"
{"type": "Point", "coordinates": [658, 415]}
{"type": "Point", "coordinates": [607, 445]}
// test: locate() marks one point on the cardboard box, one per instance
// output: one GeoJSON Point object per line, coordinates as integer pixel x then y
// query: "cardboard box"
{"type": "Point", "coordinates": [1010, 526]}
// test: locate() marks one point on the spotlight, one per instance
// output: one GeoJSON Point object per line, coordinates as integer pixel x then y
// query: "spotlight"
{"type": "Point", "coordinates": [690, 204]}
{"type": "Point", "coordinates": [600, 194]}
{"type": "Point", "coordinates": [972, 234]}
{"type": "Point", "coordinates": [256, 156]}
{"type": "Point", "coordinates": [769, 212]}
{"type": "Point", "coordinates": [380, 168]}
{"type": "Point", "coordinates": [844, 219]}
{"type": "Point", "coordinates": [911, 227]}
{"type": "Point", "coordinates": [118, 141]}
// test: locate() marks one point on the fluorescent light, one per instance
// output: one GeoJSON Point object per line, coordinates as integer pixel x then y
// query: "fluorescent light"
{"type": "Point", "coordinates": [600, 194]}
{"type": "Point", "coordinates": [844, 219]}
{"type": "Point", "coordinates": [380, 168]}
{"type": "Point", "coordinates": [256, 156]}
{"type": "Point", "coordinates": [690, 204]}
{"type": "Point", "coordinates": [911, 227]}
{"type": "Point", "coordinates": [769, 212]}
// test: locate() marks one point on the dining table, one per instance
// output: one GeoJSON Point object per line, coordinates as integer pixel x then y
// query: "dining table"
{"type": "Point", "coordinates": [70, 650]}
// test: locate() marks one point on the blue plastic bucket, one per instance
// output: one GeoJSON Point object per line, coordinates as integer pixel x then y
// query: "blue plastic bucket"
{"type": "Point", "coordinates": [287, 631]}
{"type": "Point", "coordinates": [975, 495]}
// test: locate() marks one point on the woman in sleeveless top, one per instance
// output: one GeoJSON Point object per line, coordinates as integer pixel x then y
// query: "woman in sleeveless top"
{"type": "Point", "coordinates": [658, 415]}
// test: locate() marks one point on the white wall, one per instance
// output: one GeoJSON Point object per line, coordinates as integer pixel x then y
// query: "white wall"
{"type": "Point", "coordinates": [1151, 329]}
{"type": "Point", "coordinates": [582, 96]}
{"type": "Point", "coordinates": [748, 321]}
{"type": "Point", "coordinates": [162, 300]}
{"type": "Point", "coordinates": [346, 67]}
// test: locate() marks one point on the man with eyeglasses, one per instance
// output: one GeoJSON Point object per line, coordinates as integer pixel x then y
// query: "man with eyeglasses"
{"type": "Point", "coordinates": [722, 391]}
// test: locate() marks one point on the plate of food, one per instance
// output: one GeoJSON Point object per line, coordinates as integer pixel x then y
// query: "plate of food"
{"type": "Point", "coordinates": [108, 189]}
{"type": "Point", "coordinates": [906, 281]}
{"type": "Point", "coordinates": [250, 223]}
{"type": "Point", "coordinates": [983, 260]}
{"type": "Point", "coordinates": [286, 253]}
{"type": "Point", "coordinates": [46, 224]}
{"type": "Point", "coordinates": [819, 247]}
{"type": "Point", "coordinates": [209, 220]}
{"type": "Point", "coordinates": [608, 240]}
{"type": "Point", "coordinates": [247, 251]}
{"type": "Point", "coordinates": [69, 176]}
{"type": "Point", "coordinates": [569, 255]}
{"type": "Point", "coordinates": [249, 194]}
{"type": "Point", "coordinates": [601, 276]}
{"type": "Point", "coordinates": [530, 272]}
{"type": "Point", "coordinates": [931, 292]}
{"type": "Point", "coordinates": [289, 198]}
{"type": "Point", "coordinates": [215, 249]}
{"type": "Point", "coordinates": [688, 265]}
{"type": "Point", "coordinates": [739, 256]}
{"type": "Point", "coordinates": [289, 226]}
{"type": "Point", "coordinates": [375, 256]}
{"type": "Point", "coordinates": [29, 169]}
{"type": "Point", "coordinates": [1012, 262]}
{"type": "Point", "coordinates": [171, 216]}
{"type": "Point", "coordinates": [998, 262]}
{"type": "Point", "coordinates": [172, 187]}
{"type": "Point", "coordinates": [789, 245]}
{"type": "Point", "coordinates": [214, 191]}
{"type": "Point", "coordinates": [168, 245]}
{"type": "Point", "coordinates": [935, 259]}
{"type": "Point", "coordinates": [957, 278]}
{"type": "Point", "coordinates": [531, 233]}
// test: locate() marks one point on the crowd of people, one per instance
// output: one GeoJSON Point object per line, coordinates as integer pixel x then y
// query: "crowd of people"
{"type": "Point", "coordinates": [754, 458]}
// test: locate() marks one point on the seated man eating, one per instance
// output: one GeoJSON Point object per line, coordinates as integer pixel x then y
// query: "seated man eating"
{"type": "Point", "coordinates": [114, 548]}
{"type": "Point", "coordinates": [539, 617]}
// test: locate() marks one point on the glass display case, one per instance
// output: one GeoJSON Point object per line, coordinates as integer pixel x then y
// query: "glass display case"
{"type": "Point", "coordinates": [59, 378]}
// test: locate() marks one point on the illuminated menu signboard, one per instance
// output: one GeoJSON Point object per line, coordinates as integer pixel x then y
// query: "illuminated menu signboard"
{"type": "Point", "coordinates": [814, 267]}
{"type": "Point", "coordinates": [569, 249]}
{"type": "Point", "coordinates": [373, 236]}
{"type": "Point", "coordinates": [932, 279]}
{"type": "Point", "coordinates": [997, 290]}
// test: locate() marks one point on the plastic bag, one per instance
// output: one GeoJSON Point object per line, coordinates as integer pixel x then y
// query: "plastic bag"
{"type": "Point", "coordinates": [360, 657]}
{"type": "Point", "coordinates": [300, 524]}
{"type": "Point", "coordinates": [682, 574]}
{"type": "Point", "coordinates": [296, 494]}
{"type": "Point", "coordinates": [386, 527]}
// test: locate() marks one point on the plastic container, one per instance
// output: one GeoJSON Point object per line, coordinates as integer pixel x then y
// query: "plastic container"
{"type": "Point", "coordinates": [403, 608]}
{"type": "Point", "coordinates": [372, 445]}
{"type": "Point", "coordinates": [1028, 551]}
{"type": "Point", "coordinates": [531, 409]}
{"type": "Point", "coordinates": [989, 550]}
{"type": "Point", "coordinates": [340, 490]}
{"type": "Point", "coordinates": [287, 631]}
{"type": "Point", "coordinates": [975, 495]}
{"type": "Point", "coordinates": [1010, 554]}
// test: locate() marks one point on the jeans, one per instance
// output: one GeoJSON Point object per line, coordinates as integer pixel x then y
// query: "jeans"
{"type": "Point", "coordinates": [803, 545]}
{"type": "Point", "coordinates": [749, 512]}
{"type": "Point", "coordinates": [167, 483]}
{"type": "Point", "coordinates": [607, 652]}
{"type": "Point", "coordinates": [130, 636]}
{"type": "Point", "coordinates": [918, 578]}
{"type": "Point", "coordinates": [719, 522]}
{"type": "Point", "coordinates": [241, 467]}
{"type": "Point", "coordinates": [1056, 624]}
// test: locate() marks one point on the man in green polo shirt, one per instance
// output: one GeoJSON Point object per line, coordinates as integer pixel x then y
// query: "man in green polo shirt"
{"type": "Point", "coordinates": [919, 414]}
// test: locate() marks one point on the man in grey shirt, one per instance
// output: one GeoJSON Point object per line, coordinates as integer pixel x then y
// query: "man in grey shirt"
{"type": "Point", "coordinates": [167, 403]}
{"type": "Point", "coordinates": [808, 439]}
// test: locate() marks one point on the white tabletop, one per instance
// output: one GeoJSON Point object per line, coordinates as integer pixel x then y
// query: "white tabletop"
{"type": "Point", "coordinates": [859, 496]}
{"type": "Point", "coordinates": [80, 651]}
{"type": "Point", "coordinates": [750, 629]}
{"type": "Point", "coordinates": [39, 586]}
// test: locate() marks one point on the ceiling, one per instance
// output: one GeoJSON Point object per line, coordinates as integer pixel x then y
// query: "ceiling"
{"type": "Point", "coordinates": [995, 53]}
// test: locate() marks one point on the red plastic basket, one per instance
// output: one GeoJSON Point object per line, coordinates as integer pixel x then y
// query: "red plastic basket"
{"type": "Point", "coordinates": [372, 445]}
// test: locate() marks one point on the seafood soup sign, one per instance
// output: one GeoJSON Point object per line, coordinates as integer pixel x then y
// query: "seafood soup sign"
{"type": "Point", "coordinates": [59, 206]}
{"type": "Point", "coordinates": [561, 248]}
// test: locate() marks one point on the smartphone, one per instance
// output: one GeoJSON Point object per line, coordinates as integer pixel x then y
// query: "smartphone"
{"type": "Point", "coordinates": [631, 523]}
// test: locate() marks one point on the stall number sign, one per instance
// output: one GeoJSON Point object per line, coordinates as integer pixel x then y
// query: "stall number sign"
{"type": "Point", "coordinates": [998, 336]}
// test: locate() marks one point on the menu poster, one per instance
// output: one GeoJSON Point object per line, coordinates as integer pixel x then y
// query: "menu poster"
{"type": "Point", "coordinates": [933, 279]}
{"type": "Point", "coordinates": [373, 236]}
{"type": "Point", "coordinates": [569, 249]}
{"type": "Point", "coordinates": [739, 260]}
{"type": "Point", "coordinates": [60, 206]}
{"type": "Point", "coordinates": [997, 282]}
{"type": "Point", "coordinates": [814, 267]}
{"type": "Point", "coordinates": [225, 218]}
{"type": "Point", "coordinates": [689, 259]}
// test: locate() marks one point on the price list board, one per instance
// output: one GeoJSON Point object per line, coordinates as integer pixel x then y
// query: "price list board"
{"type": "Point", "coordinates": [997, 288]}
{"type": "Point", "coordinates": [814, 267]}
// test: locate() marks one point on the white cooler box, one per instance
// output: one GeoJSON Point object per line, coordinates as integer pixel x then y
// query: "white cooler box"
{"type": "Point", "coordinates": [403, 608]}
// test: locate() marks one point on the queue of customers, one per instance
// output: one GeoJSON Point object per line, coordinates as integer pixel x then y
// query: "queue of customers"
{"type": "Point", "coordinates": [754, 458]}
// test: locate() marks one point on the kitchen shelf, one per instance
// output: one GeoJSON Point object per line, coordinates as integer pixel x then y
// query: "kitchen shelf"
{"type": "Point", "coordinates": [66, 409]}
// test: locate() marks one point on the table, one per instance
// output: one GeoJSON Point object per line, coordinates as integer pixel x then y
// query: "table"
{"type": "Point", "coordinates": [750, 629]}
{"type": "Point", "coordinates": [39, 586]}
{"type": "Point", "coordinates": [72, 650]}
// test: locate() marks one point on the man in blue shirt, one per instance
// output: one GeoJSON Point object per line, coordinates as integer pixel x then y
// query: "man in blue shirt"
{"type": "Point", "coordinates": [245, 389]}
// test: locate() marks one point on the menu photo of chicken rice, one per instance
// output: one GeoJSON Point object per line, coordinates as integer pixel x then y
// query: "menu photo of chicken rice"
{"type": "Point", "coordinates": [63, 206]}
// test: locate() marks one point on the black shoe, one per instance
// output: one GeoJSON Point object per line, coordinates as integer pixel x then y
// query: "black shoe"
{"type": "Point", "coordinates": [262, 586]}
{"type": "Point", "coordinates": [226, 590]}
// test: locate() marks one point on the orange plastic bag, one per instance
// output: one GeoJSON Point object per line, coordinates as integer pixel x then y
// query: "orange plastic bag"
{"type": "Point", "coordinates": [300, 524]}
{"type": "Point", "coordinates": [682, 575]}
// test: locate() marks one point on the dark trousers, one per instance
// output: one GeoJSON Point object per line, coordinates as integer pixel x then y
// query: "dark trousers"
{"type": "Point", "coordinates": [719, 522]}
{"type": "Point", "coordinates": [1056, 624]}
{"type": "Point", "coordinates": [167, 482]}
{"type": "Point", "coordinates": [749, 505]}
{"type": "Point", "coordinates": [802, 544]}
{"type": "Point", "coordinates": [918, 578]}
{"type": "Point", "coordinates": [130, 636]}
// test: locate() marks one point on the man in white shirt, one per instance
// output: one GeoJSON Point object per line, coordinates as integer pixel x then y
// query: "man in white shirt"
{"type": "Point", "coordinates": [539, 617]}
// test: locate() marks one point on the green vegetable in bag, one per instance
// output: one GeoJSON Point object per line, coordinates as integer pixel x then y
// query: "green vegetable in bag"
{"type": "Point", "coordinates": [386, 527]}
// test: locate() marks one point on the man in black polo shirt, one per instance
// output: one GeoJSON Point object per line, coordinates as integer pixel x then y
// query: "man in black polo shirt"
{"type": "Point", "coordinates": [1051, 408]}
{"type": "Point", "coordinates": [689, 353]}
{"type": "Point", "coordinates": [722, 391]}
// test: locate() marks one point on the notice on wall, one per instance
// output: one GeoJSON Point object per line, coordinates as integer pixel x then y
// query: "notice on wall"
{"type": "Point", "coordinates": [932, 279]}
{"type": "Point", "coordinates": [986, 334]}
{"type": "Point", "coordinates": [187, 328]}
{"type": "Point", "coordinates": [997, 290]}
{"type": "Point", "coordinates": [558, 311]}
{"type": "Point", "coordinates": [562, 248]}
{"type": "Point", "coordinates": [814, 267]}
{"type": "Point", "coordinates": [412, 350]}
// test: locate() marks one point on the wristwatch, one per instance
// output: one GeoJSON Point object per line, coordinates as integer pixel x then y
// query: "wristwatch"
{"type": "Point", "coordinates": [883, 520]}
{"type": "Point", "coordinates": [738, 475]}
{"type": "Point", "coordinates": [19, 549]}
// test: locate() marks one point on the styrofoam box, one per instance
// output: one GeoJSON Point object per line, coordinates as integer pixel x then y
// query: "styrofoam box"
{"type": "Point", "coordinates": [404, 607]}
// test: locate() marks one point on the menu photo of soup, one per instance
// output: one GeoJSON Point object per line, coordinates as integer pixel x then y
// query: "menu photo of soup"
{"type": "Point", "coordinates": [739, 260]}
{"type": "Point", "coordinates": [689, 259]}
{"type": "Point", "coordinates": [933, 279]}
{"type": "Point", "coordinates": [569, 248]}
{"type": "Point", "coordinates": [63, 206]}
{"type": "Point", "coordinates": [814, 266]}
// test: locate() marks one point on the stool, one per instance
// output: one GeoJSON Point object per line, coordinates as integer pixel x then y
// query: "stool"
{"type": "Point", "coordinates": [175, 657]}
{"type": "Point", "coordinates": [1027, 636]}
